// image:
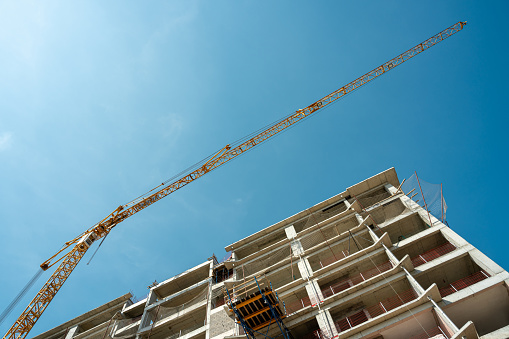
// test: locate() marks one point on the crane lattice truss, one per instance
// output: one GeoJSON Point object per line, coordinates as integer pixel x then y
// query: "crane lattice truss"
{"type": "Point", "coordinates": [81, 244]}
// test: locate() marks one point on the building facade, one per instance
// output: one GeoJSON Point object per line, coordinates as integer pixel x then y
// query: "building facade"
{"type": "Point", "coordinates": [366, 263]}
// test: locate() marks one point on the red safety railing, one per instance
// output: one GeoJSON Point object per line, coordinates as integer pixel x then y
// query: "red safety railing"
{"type": "Point", "coordinates": [294, 306]}
{"type": "Point", "coordinates": [375, 310]}
{"type": "Point", "coordinates": [463, 283]}
{"type": "Point", "coordinates": [356, 279]}
{"type": "Point", "coordinates": [435, 333]}
{"type": "Point", "coordinates": [432, 254]}
{"type": "Point", "coordinates": [334, 258]}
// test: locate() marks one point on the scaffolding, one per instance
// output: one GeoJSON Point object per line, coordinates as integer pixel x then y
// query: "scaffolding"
{"type": "Point", "coordinates": [256, 306]}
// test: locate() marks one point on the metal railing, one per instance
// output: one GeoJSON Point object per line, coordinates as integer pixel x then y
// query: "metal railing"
{"type": "Point", "coordinates": [432, 254]}
{"type": "Point", "coordinates": [373, 311]}
{"type": "Point", "coordinates": [356, 279]}
{"type": "Point", "coordinates": [294, 306]}
{"type": "Point", "coordinates": [333, 259]}
{"type": "Point", "coordinates": [463, 283]}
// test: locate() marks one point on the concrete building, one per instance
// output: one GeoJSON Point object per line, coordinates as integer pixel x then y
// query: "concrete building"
{"type": "Point", "coordinates": [366, 263]}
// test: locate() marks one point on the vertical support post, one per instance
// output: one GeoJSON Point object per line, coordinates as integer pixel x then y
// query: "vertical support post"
{"type": "Point", "coordinates": [442, 202]}
{"type": "Point", "coordinates": [73, 331]}
{"type": "Point", "coordinates": [209, 298]}
{"type": "Point", "coordinates": [423, 199]}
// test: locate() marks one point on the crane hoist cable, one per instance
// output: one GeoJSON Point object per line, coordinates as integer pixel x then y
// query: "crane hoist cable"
{"type": "Point", "coordinates": [74, 250]}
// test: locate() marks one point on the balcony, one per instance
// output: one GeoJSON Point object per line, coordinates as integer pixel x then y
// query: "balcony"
{"type": "Point", "coordinates": [327, 231]}
{"type": "Point", "coordinates": [388, 211]}
{"type": "Point", "coordinates": [338, 248]}
{"type": "Point", "coordinates": [355, 279]}
{"type": "Point", "coordinates": [373, 197]}
{"type": "Point", "coordinates": [375, 310]}
{"type": "Point", "coordinates": [425, 249]}
{"type": "Point", "coordinates": [405, 228]}
{"type": "Point", "coordinates": [452, 276]}
{"type": "Point", "coordinates": [432, 254]}
{"type": "Point", "coordinates": [463, 283]}
{"type": "Point", "coordinates": [292, 306]}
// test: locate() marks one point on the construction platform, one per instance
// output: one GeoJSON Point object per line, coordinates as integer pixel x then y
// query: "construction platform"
{"type": "Point", "coordinates": [256, 306]}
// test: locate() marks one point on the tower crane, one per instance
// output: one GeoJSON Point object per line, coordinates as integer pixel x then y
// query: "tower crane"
{"type": "Point", "coordinates": [74, 250]}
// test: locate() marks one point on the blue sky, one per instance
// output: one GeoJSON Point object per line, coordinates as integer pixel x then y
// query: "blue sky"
{"type": "Point", "coordinates": [100, 102]}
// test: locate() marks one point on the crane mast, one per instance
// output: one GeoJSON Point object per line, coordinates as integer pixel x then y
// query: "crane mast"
{"type": "Point", "coordinates": [80, 245]}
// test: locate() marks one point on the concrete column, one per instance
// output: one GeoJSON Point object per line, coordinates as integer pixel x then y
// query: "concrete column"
{"type": "Point", "coordinates": [417, 287]}
{"type": "Point", "coordinates": [209, 300]}
{"type": "Point", "coordinates": [444, 319]}
{"type": "Point", "coordinates": [391, 189]}
{"type": "Point", "coordinates": [326, 323]}
{"type": "Point", "coordinates": [304, 268]}
{"type": "Point", "coordinates": [72, 332]}
{"type": "Point", "coordinates": [145, 318]}
{"type": "Point", "coordinates": [357, 215]}
{"type": "Point", "coordinates": [290, 232]}
{"type": "Point", "coordinates": [234, 258]}
{"type": "Point", "coordinates": [391, 256]}
{"type": "Point", "coordinates": [314, 292]}
{"type": "Point", "coordinates": [372, 234]}
{"type": "Point", "coordinates": [297, 250]}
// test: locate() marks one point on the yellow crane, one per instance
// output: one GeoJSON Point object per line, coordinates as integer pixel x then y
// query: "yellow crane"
{"type": "Point", "coordinates": [72, 251]}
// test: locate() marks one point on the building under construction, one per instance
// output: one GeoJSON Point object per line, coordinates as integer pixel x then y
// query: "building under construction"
{"type": "Point", "coordinates": [374, 261]}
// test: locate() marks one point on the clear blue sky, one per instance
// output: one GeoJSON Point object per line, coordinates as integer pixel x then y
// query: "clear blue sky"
{"type": "Point", "coordinates": [100, 102]}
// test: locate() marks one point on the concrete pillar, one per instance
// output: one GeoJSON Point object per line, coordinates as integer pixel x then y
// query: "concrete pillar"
{"type": "Point", "coordinates": [145, 318]}
{"type": "Point", "coordinates": [372, 234]}
{"type": "Point", "coordinates": [304, 268]}
{"type": "Point", "coordinates": [417, 287]}
{"type": "Point", "coordinates": [357, 215]}
{"type": "Point", "coordinates": [314, 292]}
{"type": "Point", "coordinates": [443, 320]}
{"type": "Point", "coordinates": [297, 250]}
{"type": "Point", "coordinates": [209, 300]}
{"type": "Point", "coordinates": [391, 256]}
{"type": "Point", "coordinates": [234, 258]}
{"type": "Point", "coordinates": [391, 189]}
{"type": "Point", "coordinates": [290, 232]}
{"type": "Point", "coordinates": [72, 332]}
{"type": "Point", "coordinates": [326, 323]}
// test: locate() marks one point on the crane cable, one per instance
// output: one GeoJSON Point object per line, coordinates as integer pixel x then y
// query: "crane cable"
{"type": "Point", "coordinates": [20, 295]}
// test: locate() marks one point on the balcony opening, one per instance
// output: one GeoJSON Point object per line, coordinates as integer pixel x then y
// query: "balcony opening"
{"type": "Point", "coordinates": [319, 216]}
{"type": "Point", "coordinates": [296, 301]}
{"type": "Point", "coordinates": [368, 306]}
{"type": "Point", "coordinates": [488, 309]}
{"type": "Point", "coordinates": [405, 228]}
{"type": "Point", "coordinates": [337, 250]}
{"type": "Point", "coordinates": [332, 252]}
{"type": "Point", "coordinates": [388, 211]}
{"type": "Point", "coordinates": [371, 198]}
{"type": "Point", "coordinates": [260, 243]}
{"type": "Point", "coordinates": [307, 330]}
{"type": "Point", "coordinates": [221, 273]}
{"type": "Point", "coordinates": [453, 276]}
{"type": "Point", "coordinates": [354, 275]}
{"type": "Point", "coordinates": [425, 249]}
{"type": "Point", "coordinates": [284, 275]}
